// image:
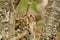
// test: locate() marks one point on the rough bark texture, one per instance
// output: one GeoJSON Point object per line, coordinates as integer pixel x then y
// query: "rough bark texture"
{"type": "Point", "coordinates": [52, 20]}
{"type": "Point", "coordinates": [6, 19]}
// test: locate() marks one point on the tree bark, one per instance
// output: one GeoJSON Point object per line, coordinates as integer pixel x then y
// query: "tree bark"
{"type": "Point", "coordinates": [7, 17]}
{"type": "Point", "coordinates": [52, 20]}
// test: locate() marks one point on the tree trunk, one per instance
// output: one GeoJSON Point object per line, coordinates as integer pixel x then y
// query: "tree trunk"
{"type": "Point", "coordinates": [7, 18]}
{"type": "Point", "coordinates": [52, 20]}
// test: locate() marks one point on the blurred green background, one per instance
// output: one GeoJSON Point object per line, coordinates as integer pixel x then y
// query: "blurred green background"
{"type": "Point", "coordinates": [22, 6]}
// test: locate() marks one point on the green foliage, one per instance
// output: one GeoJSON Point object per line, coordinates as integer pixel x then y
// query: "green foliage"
{"type": "Point", "coordinates": [34, 4]}
{"type": "Point", "coordinates": [21, 8]}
